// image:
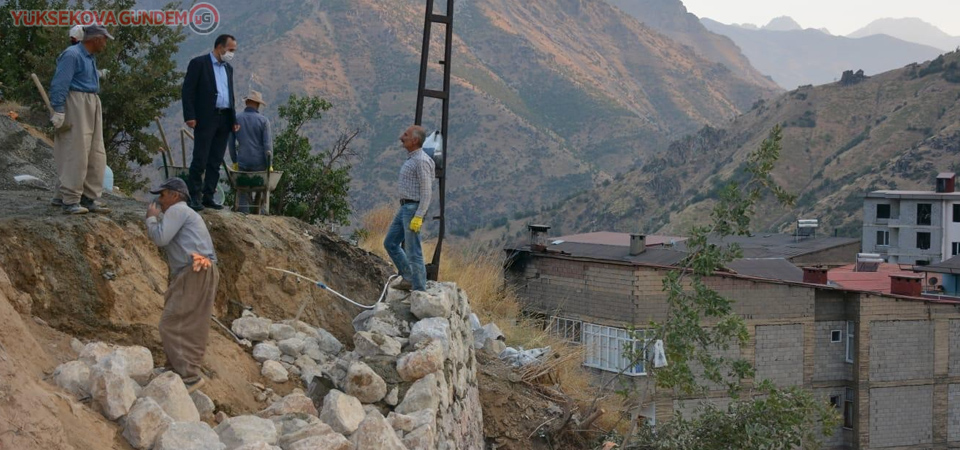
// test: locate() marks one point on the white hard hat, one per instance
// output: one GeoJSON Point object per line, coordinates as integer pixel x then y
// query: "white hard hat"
{"type": "Point", "coordinates": [77, 32]}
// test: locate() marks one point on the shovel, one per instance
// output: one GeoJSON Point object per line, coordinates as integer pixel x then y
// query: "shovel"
{"type": "Point", "coordinates": [46, 101]}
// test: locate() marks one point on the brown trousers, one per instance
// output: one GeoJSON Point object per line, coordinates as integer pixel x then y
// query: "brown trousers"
{"type": "Point", "coordinates": [78, 150]}
{"type": "Point", "coordinates": [185, 324]}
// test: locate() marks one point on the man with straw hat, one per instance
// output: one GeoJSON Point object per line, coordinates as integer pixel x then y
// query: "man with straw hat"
{"type": "Point", "coordinates": [252, 149]}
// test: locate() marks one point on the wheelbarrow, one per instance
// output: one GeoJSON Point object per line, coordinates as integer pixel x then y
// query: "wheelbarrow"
{"type": "Point", "coordinates": [259, 183]}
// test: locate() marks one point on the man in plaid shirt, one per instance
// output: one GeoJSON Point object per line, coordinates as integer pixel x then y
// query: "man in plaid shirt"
{"type": "Point", "coordinates": [416, 178]}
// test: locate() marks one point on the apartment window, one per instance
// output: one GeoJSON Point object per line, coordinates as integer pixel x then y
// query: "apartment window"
{"type": "Point", "coordinates": [836, 401]}
{"type": "Point", "coordinates": [923, 240]}
{"type": "Point", "coordinates": [955, 249]}
{"type": "Point", "coordinates": [604, 348]}
{"type": "Point", "coordinates": [850, 348]}
{"type": "Point", "coordinates": [921, 262]}
{"type": "Point", "coordinates": [836, 336]}
{"type": "Point", "coordinates": [924, 212]}
{"type": "Point", "coordinates": [568, 329]}
{"type": "Point", "coordinates": [883, 238]}
{"type": "Point", "coordinates": [883, 211]}
{"type": "Point", "coordinates": [956, 213]}
{"type": "Point", "coordinates": [848, 398]}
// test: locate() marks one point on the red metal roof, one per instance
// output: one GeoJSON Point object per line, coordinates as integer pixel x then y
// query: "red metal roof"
{"type": "Point", "coordinates": [848, 278]}
{"type": "Point", "coordinates": [619, 239]}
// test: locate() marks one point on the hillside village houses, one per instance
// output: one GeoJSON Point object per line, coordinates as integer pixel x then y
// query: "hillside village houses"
{"type": "Point", "coordinates": [879, 341]}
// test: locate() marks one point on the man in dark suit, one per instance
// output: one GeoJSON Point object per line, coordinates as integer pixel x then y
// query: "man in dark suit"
{"type": "Point", "coordinates": [208, 108]}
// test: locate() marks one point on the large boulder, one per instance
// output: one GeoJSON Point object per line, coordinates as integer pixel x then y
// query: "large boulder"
{"type": "Point", "coordinates": [281, 331]}
{"type": "Point", "coordinates": [381, 320]}
{"type": "Point", "coordinates": [331, 441]}
{"type": "Point", "coordinates": [74, 377]}
{"type": "Point", "coordinates": [422, 438]}
{"type": "Point", "coordinates": [274, 372]}
{"type": "Point", "coordinates": [205, 405]}
{"type": "Point", "coordinates": [266, 351]}
{"type": "Point", "coordinates": [432, 329]}
{"type": "Point", "coordinates": [145, 422]}
{"type": "Point", "coordinates": [424, 394]}
{"type": "Point", "coordinates": [112, 390]}
{"type": "Point", "coordinates": [342, 412]}
{"type": "Point", "coordinates": [410, 422]}
{"type": "Point", "coordinates": [374, 433]}
{"type": "Point", "coordinates": [294, 403]}
{"type": "Point", "coordinates": [137, 360]}
{"type": "Point", "coordinates": [189, 436]}
{"type": "Point", "coordinates": [171, 394]}
{"type": "Point", "coordinates": [236, 432]}
{"type": "Point", "coordinates": [258, 446]}
{"type": "Point", "coordinates": [328, 343]}
{"type": "Point", "coordinates": [314, 436]}
{"type": "Point", "coordinates": [368, 344]}
{"type": "Point", "coordinates": [291, 347]}
{"type": "Point", "coordinates": [252, 328]}
{"type": "Point", "coordinates": [425, 305]}
{"type": "Point", "coordinates": [93, 352]}
{"type": "Point", "coordinates": [417, 364]}
{"type": "Point", "coordinates": [364, 384]}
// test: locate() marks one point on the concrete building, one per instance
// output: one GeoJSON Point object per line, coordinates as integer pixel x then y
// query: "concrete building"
{"type": "Point", "coordinates": [889, 362]}
{"type": "Point", "coordinates": [913, 227]}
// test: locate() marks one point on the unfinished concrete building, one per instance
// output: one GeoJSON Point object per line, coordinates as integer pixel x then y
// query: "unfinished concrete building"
{"type": "Point", "coordinates": [890, 362]}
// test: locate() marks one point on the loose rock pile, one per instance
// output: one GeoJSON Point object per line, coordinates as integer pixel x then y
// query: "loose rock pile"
{"type": "Point", "coordinates": [410, 383]}
{"type": "Point", "coordinates": [153, 407]}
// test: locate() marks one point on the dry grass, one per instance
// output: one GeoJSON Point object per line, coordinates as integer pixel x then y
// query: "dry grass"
{"type": "Point", "coordinates": [479, 272]}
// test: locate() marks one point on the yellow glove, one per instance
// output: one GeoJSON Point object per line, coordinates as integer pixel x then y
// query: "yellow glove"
{"type": "Point", "coordinates": [236, 167]}
{"type": "Point", "coordinates": [416, 223]}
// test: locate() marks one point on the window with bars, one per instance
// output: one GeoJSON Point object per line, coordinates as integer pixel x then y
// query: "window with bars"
{"type": "Point", "coordinates": [568, 329]}
{"type": "Point", "coordinates": [848, 408]}
{"type": "Point", "coordinates": [604, 349]}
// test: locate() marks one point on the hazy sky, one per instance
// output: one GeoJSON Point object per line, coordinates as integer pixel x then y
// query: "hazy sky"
{"type": "Point", "coordinates": [841, 17]}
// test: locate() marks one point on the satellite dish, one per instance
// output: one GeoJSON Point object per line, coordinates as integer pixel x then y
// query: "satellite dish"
{"type": "Point", "coordinates": [932, 281]}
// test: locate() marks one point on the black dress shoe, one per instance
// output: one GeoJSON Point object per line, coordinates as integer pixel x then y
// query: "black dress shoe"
{"type": "Point", "coordinates": [195, 206]}
{"type": "Point", "coordinates": [210, 204]}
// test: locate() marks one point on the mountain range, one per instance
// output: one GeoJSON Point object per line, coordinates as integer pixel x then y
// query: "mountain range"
{"type": "Point", "coordinates": [796, 57]}
{"type": "Point", "coordinates": [549, 97]}
{"type": "Point", "coordinates": [895, 130]}
{"type": "Point", "coordinates": [910, 29]}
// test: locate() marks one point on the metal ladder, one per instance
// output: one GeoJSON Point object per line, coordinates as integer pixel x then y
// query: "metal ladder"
{"type": "Point", "coordinates": [433, 268]}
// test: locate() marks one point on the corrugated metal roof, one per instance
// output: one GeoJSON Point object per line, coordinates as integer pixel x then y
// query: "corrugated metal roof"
{"type": "Point", "coordinates": [772, 268]}
{"type": "Point", "coordinates": [848, 278]}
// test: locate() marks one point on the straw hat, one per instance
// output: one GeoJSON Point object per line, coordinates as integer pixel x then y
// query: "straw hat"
{"type": "Point", "coordinates": [255, 97]}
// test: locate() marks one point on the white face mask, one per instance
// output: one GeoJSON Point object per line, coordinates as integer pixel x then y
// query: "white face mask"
{"type": "Point", "coordinates": [227, 56]}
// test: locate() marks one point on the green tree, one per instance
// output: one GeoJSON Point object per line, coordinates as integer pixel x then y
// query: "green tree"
{"type": "Point", "coordinates": [701, 324]}
{"type": "Point", "coordinates": [142, 80]}
{"type": "Point", "coordinates": [315, 186]}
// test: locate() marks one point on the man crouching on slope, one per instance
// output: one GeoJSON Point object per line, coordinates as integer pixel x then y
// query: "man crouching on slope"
{"type": "Point", "coordinates": [188, 302]}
